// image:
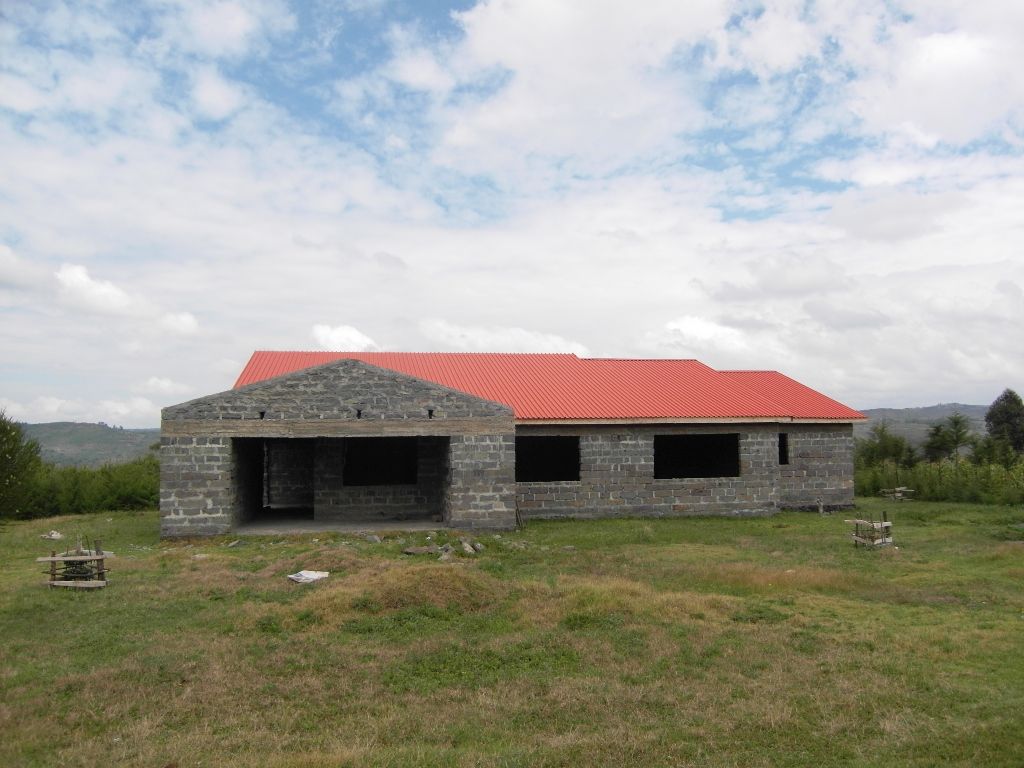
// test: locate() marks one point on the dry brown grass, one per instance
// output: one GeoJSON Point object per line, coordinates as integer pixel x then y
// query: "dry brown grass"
{"type": "Point", "coordinates": [674, 660]}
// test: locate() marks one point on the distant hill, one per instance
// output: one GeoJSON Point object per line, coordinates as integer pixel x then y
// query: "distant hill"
{"type": "Point", "coordinates": [69, 443]}
{"type": "Point", "coordinates": [913, 423]}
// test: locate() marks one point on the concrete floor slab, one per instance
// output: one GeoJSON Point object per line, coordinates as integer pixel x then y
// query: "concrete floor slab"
{"type": "Point", "coordinates": [293, 527]}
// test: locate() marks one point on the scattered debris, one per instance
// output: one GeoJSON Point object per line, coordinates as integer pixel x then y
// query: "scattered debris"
{"type": "Point", "coordinates": [308, 577]}
{"type": "Point", "coordinates": [568, 548]}
{"type": "Point", "coordinates": [430, 549]}
{"type": "Point", "coordinates": [200, 556]}
{"type": "Point", "coordinates": [468, 548]}
{"type": "Point", "coordinates": [372, 538]}
{"type": "Point", "coordinates": [52, 536]}
{"type": "Point", "coordinates": [478, 546]}
{"type": "Point", "coordinates": [899, 493]}
{"type": "Point", "coordinates": [446, 556]}
{"type": "Point", "coordinates": [235, 543]}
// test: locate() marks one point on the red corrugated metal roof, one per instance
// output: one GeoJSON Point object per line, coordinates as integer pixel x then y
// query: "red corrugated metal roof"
{"type": "Point", "coordinates": [794, 396]}
{"type": "Point", "coordinates": [566, 387]}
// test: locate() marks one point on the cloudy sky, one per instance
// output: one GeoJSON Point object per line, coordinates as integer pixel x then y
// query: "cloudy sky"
{"type": "Point", "coordinates": [830, 188]}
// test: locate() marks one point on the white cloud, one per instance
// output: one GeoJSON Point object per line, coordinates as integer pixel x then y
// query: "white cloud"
{"type": "Point", "coordinates": [16, 272]}
{"type": "Point", "coordinates": [221, 28]}
{"type": "Point", "coordinates": [497, 339]}
{"type": "Point", "coordinates": [929, 72]}
{"type": "Point", "coordinates": [419, 69]}
{"type": "Point", "coordinates": [214, 97]}
{"type": "Point", "coordinates": [343, 338]}
{"type": "Point", "coordinates": [179, 322]}
{"type": "Point", "coordinates": [691, 336]}
{"type": "Point", "coordinates": [227, 29]}
{"type": "Point", "coordinates": [133, 410]}
{"type": "Point", "coordinates": [160, 385]}
{"type": "Point", "coordinates": [19, 95]}
{"type": "Point", "coordinates": [78, 288]}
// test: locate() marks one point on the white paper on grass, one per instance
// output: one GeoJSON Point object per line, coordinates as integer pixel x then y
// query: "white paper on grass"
{"type": "Point", "coordinates": [305, 577]}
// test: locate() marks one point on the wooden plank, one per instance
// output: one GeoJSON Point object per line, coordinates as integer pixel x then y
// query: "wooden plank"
{"type": "Point", "coordinates": [488, 425]}
{"type": "Point", "coordinates": [79, 584]}
{"type": "Point", "coordinates": [72, 558]}
{"type": "Point", "coordinates": [872, 542]}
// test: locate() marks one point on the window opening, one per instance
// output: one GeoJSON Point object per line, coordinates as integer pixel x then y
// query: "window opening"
{"type": "Point", "coordinates": [547, 459]}
{"type": "Point", "coordinates": [783, 448]}
{"type": "Point", "coordinates": [380, 461]}
{"type": "Point", "coordinates": [678, 456]}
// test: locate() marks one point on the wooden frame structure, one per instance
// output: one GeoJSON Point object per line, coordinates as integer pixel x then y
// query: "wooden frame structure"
{"type": "Point", "coordinates": [872, 533]}
{"type": "Point", "coordinates": [79, 569]}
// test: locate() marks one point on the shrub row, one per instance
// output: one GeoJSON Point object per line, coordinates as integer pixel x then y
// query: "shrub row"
{"type": "Point", "coordinates": [950, 480]}
{"type": "Point", "coordinates": [73, 490]}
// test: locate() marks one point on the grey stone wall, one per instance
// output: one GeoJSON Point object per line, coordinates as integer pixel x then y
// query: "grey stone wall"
{"type": "Point", "coordinates": [346, 390]}
{"type": "Point", "coordinates": [820, 466]}
{"type": "Point", "coordinates": [336, 501]}
{"type": "Point", "coordinates": [617, 473]}
{"type": "Point", "coordinates": [617, 476]}
{"type": "Point", "coordinates": [197, 486]}
{"type": "Point", "coordinates": [289, 467]}
{"type": "Point", "coordinates": [481, 487]}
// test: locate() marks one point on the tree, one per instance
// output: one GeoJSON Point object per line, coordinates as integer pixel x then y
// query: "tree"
{"type": "Point", "coordinates": [994, 450]}
{"type": "Point", "coordinates": [1005, 419]}
{"type": "Point", "coordinates": [883, 445]}
{"type": "Point", "coordinates": [945, 440]}
{"type": "Point", "coordinates": [19, 466]}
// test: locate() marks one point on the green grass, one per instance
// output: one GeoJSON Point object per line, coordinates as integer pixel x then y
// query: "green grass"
{"type": "Point", "coordinates": [690, 642]}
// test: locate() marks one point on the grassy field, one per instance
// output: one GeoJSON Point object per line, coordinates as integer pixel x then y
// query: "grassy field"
{"type": "Point", "coordinates": [703, 642]}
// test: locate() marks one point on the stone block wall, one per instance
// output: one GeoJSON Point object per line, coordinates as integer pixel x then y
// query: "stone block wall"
{"type": "Point", "coordinates": [289, 468]}
{"type": "Point", "coordinates": [820, 466]}
{"type": "Point", "coordinates": [335, 501]}
{"type": "Point", "coordinates": [343, 390]}
{"type": "Point", "coordinates": [197, 491]}
{"type": "Point", "coordinates": [617, 476]}
{"type": "Point", "coordinates": [481, 487]}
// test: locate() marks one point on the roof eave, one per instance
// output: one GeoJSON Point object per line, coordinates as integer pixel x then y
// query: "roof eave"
{"type": "Point", "coordinates": [694, 420]}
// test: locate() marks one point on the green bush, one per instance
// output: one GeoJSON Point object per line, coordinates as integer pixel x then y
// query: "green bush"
{"type": "Point", "coordinates": [75, 490]}
{"type": "Point", "coordinates": [950, 480]}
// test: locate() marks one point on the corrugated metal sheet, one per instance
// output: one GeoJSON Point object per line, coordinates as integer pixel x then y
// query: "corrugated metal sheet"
{"type": "Point", "coordinates": [565, 387]}
{"type": "Point", "coordinates": [794, 396]}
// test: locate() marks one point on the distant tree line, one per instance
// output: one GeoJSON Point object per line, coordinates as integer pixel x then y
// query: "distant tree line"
{"type": "Point", "coordinates": [31, 487]}
{"type": "Point", "coordinates": [954, 464]}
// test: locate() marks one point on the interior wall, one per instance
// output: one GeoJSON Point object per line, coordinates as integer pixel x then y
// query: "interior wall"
{"type": "Point", "coordinates": [247, 475]}
{"type": "Point", "coordinates": [288, 467]}
{"type": "Point", "coordinates": [422, 500]}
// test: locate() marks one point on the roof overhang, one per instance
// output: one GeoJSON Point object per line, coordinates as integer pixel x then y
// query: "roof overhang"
{"type": "Point", "coordinates": [715, 420]}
